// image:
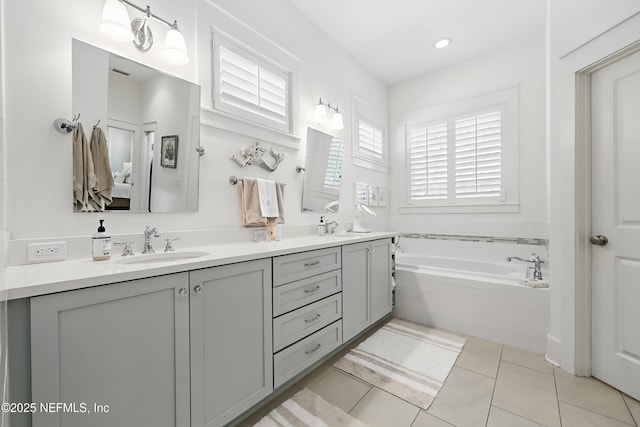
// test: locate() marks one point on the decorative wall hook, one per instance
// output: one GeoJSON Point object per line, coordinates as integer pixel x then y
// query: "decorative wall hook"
{"type": "Point", "coordinates": [253, 156]}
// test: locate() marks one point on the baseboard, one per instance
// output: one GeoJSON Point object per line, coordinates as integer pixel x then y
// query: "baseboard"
{"type": "Point", "coordinates": [554, 350]}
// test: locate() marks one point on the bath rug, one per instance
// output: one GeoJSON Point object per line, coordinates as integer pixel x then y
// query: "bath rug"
{"type": "Point", "coordinates": [306, 408]}
{"type": "Point", "coordinates": [408, 360]}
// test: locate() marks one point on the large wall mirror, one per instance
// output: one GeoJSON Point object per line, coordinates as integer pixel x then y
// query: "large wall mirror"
{"type": "Point", "coordinates": [323, 164]}
{"type": "Point", "coordinates": [151, 121]}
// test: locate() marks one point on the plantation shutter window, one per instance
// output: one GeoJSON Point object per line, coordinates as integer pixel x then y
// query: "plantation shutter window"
{"type": "Point", "coordinates": [370, 140]}
{"type": "Point", "coordinates": [428, 162]}
{"type": "Point", "coordinates": [457, 159]}
{"type": "Point", "coordinates": [250, 87]}
{"type": "Point", "coordinates": [478, 156]}
{"type": "Point", "coordinates": [334, 165]}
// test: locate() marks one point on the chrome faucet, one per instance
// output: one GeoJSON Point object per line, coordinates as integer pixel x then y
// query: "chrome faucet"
{"type": "Point", "coordinates": [535, 260]}
{"type": "Point", "coordinates": [148, 232]}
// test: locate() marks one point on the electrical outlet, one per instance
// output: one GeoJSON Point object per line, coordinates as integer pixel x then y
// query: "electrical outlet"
{"type": "Point", "coordinates": [46, 252]}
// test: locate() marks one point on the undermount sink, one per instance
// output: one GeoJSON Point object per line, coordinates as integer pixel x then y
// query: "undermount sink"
{"type": "Point", "coordinates": [161, 257]}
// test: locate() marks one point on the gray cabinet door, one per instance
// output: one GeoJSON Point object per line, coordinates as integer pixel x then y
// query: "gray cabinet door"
{"type": "Point", "coordinates": [380, 279]}
{"type": "Point", "coordinates": [231, 340]}
{"type": "Point", "coordinates": [366, 285]}
{"type": "Point", "coordinates": [355, 289]}
{"type": "Point", "coordinates": [124, 345]}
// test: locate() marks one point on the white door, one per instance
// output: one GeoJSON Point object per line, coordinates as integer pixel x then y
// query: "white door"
{"type": "Point", "coordinates": [615, 97]}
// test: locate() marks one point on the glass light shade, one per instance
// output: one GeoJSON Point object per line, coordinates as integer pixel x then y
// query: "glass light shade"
{"type": "Point", "coordinates": [320, 113]}
{"type": "Point", "coordinates": [115, 21]}
{"type": "Point", "coordinates": [175, 48]}
{"type": "Point", "coordinates": [336, 121]}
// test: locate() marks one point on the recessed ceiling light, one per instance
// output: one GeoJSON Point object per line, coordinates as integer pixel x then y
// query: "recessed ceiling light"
{"type": "Point", "coordinates": [442, 42]}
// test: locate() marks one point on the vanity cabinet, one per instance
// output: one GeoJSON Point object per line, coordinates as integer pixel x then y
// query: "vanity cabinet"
{"type": "Point", "coordinates": [366, 285]}
{"type": "Point", "coordinates": [231, 340]}
{"type": "Point", "coordinates": [197, 348]}
{"type": "Point", "coordinates": [307, 306]}
{"type": "Point", "coordinates": [123, 346]}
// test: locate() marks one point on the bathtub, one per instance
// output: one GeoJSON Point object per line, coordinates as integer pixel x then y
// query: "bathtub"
{"type": "Point", "coordinates": [505, 272]}
{"type": "Point", "coordinates": [479, 298]}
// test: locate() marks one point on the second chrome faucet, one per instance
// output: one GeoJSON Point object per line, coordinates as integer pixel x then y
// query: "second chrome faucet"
{"type": "Point", "coordinates": [148, 233]}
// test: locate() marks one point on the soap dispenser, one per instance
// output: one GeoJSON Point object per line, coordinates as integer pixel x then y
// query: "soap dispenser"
{"type": "Point", "coordinates": [322, 227]}
{"type": "Point", "coordinates": [101, 244]}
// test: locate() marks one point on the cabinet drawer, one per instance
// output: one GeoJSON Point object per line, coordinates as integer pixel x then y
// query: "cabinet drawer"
{"type": "Point", "coordinates": [294, 295]}
{"type": "Point", "coordinates": [296, 325]}
{"type": "Point", "coordinates": [295, 359]}
{"type": "Point", "coordinates": [289, 268]}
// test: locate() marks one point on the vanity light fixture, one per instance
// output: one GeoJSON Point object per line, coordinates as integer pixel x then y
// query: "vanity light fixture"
{"type": "Point", "coordinates": [442, 42]}
{"type": "Point", "coordinates": [115, 24]}
{"type": "Point", "coordinates": [321, 114]}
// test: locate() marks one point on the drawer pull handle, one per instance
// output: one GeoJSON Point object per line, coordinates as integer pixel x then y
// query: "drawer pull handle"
{"type": "Point", "coordinates": [197, 289]}
{"type": "Point", "coordinates": [314, 349]}
{"type": "Point", "coordinates": [310, 291]}
{"type": "Point", "coordinates": [183, 292]}
{"type": "Point", "coordinates": [313, 319]}
{"type": "Point", "coordinates": [311, 264]}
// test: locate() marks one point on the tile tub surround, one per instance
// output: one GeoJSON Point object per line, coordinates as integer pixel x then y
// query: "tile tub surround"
{"type": "Point", "coordinates": [475, 250]}
{"type": "Point", "coordinates": [485, 239]}
{"type": "Point", "coordinates": [510, 314]}
{"type": "Point", "coordinates": [24, 281]}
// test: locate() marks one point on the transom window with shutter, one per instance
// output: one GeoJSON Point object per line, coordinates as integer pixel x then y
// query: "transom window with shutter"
{"type": "Point", "coordinates": [250, 87]}
{"type": "Point", "coordinates": [370, 140]}
{"type": "Point", "coordinates": [456, 158]}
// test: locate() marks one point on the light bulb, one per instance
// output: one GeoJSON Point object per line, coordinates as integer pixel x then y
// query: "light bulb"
{"type": "Point", "coordinates": [115, 21]}
{"type": "Point", "coordinates": [175, 48]}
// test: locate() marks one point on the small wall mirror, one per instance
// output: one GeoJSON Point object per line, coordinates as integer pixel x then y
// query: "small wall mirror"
{"type": "Point", "coordinates": [323, 164]}
{"type": "Point", "coordinates": [151, 121]}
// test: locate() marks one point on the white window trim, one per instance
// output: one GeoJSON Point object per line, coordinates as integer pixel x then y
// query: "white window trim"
{"type": "Point", "coordinates": [220, 40]}
{"type": "Point", "coordinates": [365, 112]}
{"type": "Point", "coordinates": [214, 19]}
{"type": "Point", "coordinates": [508, 101]}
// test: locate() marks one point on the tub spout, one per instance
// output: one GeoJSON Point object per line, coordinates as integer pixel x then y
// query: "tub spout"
{"type": "Point", "coordinates": [535, 260]}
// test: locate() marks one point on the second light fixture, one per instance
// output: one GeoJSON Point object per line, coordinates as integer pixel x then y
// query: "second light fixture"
{"type": "Point", "coordinates": [321, 115]}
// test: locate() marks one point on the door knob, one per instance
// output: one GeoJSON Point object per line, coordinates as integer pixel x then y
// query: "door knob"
{"type": "Point", "coordinates": [599, 240]}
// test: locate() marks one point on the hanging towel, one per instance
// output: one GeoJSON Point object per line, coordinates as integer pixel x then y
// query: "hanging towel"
{"type": "Point", "coordinates": [83, 174]}
{"type": "Point", "coordinates": [268, 198]}
{"type": "Point", "coordinates": [100, 196]}
{"type": "Point", "coordinates": [251, 210]}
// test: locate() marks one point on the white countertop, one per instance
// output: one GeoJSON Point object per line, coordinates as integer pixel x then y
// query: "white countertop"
{"type": "Point", "coordinates": [25, 281]}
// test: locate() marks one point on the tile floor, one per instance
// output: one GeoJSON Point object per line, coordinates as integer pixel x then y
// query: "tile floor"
{"type": "Point", "coordinates": [491, 385]}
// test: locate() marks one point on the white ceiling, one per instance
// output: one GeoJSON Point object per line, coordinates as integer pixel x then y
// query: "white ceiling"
{"type": "Point", "coordinates": [393, 38]}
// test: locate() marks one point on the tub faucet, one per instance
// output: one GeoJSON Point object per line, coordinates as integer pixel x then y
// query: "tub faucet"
{"type": "Point", "coordinates": [535, 260]}
{"type": "Point", "coordinates": [148, 232]}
